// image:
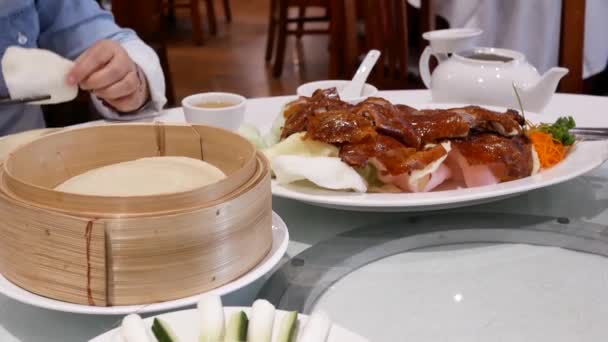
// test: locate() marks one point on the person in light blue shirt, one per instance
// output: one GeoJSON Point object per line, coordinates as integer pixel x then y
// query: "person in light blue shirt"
{"type": "Point", "coordinates": [121, 72]}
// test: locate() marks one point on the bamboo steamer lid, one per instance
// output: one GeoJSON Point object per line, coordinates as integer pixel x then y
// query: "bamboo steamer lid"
{"type": "Point", "coordinates": [102, 251]}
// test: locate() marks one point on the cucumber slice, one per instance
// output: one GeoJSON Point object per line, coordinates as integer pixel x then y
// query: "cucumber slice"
{"type": "Point", "coordinates": [237, 328]}
{"type": "Point", "coordinates": [212, 318]}
{"type": "Point", "coordinates": [262, 321]}
{"type": "Point", "coordinates": [163, 332]}
{"type": "Point", "coordinates": [133, 329]}
{"type": "Point", "coordinates": [317, 328]}
{"type": "Point", "coordinates": [289, 327]}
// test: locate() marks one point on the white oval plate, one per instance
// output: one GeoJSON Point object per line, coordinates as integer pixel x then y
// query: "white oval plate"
{"type": "Point", "coordinates": [584, 157]}
{"type": "Point", "coordinates": [185, 325]}
{"type": "Point", "coordinates": [280, 237]}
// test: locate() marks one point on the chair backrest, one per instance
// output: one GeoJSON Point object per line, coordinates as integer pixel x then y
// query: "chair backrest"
{"type": "Point", "coordinates": [572, 44]}
{"type": "Point", "coordinates": [361, 25]}
{"type": "Point", "coordinates": [146, 18]}
{"type": "Point", "coordinates": [386, 30]}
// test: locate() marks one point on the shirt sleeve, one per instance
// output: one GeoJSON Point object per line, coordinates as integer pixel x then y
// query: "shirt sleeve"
{"type": "Point", "coordinates": [69, 27]}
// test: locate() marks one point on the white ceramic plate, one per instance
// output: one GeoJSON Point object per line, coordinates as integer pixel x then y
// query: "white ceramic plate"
{"type": "Point", "coordinates": [279, 247]}
{"type": "Point", "coordinates": [584, 157]}
{"type": "Point", "coordinates": [185, 324]}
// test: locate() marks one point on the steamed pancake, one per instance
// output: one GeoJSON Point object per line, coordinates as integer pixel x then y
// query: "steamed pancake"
{"type": "Point", "coordinates": [31, 72]}
{"type": "Point", "coordinates": [142, 177]}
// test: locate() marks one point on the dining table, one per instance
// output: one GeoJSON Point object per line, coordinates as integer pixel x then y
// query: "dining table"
{"type": "Point", "coordinates": [533, 267]}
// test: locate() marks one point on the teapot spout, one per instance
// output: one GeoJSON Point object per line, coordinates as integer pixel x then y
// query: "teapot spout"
{"type": "Point", "coordinates": [537, 96]}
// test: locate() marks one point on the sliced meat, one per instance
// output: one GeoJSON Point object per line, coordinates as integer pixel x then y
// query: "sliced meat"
{"type": "Point", "coordinates": [296, 118]}
{"type": "Point", "coordinates": [488, 159]}
{"type": "Point", "coordinates": [329, 93]}
{"type": "Point", "coordinates": [421, 171]}
{"type": "Point", "coordinates": [388, 120]}
{"type": "Point", "coordinates": [359, 154]}
{"type": "Point", "coordinates": [405, 109]}
{"type": "Point", "coordinates": [339, 126]}
{"type": "Point", "coordinates": [421, 180]}
{"type": "Point", "coordinates": [298, 111]}
{"type": "Point", "coordinates": [508, 123]}
{"type": "Point", "coordinates": [389, 155]}
{"type": "Point", "coordinates": [434, 125]}
{"type": "Point", "coordinates": [397, 163]}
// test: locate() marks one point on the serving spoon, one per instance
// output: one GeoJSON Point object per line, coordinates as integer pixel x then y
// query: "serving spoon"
{"type": "Point", "coordinates": [355, 87]}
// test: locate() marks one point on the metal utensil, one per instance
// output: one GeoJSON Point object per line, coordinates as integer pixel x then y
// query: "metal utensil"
{"type": "Point", "coordinates": [590, 133]}
{"type": "Point", "coordinates": [5, 101]}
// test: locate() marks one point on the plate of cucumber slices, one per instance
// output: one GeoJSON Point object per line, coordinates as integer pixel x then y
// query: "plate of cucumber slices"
{"type": "Point", "coordinates": [211, 322]}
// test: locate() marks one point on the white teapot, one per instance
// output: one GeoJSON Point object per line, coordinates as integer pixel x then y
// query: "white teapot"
{"type": "Point", "coordinates": [480, 75]}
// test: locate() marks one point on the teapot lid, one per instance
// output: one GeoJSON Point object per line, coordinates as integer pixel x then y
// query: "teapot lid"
{"type": "Point", "coordinates": [452, 40]}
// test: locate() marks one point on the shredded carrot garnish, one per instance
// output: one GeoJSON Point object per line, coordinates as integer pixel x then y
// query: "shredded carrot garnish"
{"type": "Point", "coordinates": [550, 151]}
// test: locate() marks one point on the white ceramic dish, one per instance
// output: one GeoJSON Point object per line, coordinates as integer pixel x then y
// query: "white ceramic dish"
{"type": "Point", "coordinates": [307, 89]}
{"type": "Point", "coordinates": [466, 76]}
{"type": "Point", "coordinates": [584, 157]}
{"type": "Point", "coordinates": [279, 247]}
{"type": "Point", "coordinates": [185, 324]}
{"type": "Point", "coordinates": [229, 118]}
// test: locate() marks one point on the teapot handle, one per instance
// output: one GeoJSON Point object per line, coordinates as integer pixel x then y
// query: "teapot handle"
{"type": "Point", "coordinates": [423, 66]}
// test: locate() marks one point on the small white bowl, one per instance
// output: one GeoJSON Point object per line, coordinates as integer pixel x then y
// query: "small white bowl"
{"type": "Point", "coordinates": [307, 89]}
{"type": "Point", "coordinates": [229, 118]}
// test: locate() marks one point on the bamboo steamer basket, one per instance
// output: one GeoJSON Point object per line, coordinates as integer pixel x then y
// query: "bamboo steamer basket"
{"type": "Point", "coordinates": [104, 251]}
{"type": "Point", "coordinates": [10, 142]}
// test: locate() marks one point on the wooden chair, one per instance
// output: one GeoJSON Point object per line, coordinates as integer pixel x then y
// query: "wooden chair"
{"type": "Point", "coordinates": [146, 18]}
{"type": "Point", "coordinates": [195, 15]}
{"type": "Point", "coordinates": [278, 27]}
{"type": "Point", "coordinates": [571, 49]}
{"type": "Point", "coordinates": [385, 27]}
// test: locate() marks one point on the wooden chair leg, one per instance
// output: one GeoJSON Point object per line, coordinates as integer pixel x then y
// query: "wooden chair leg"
{"type": "Point", "coordinates": [163, 56]}
{"type": "Point", "coordinates": [336, 41]}
{"type": "Point", "coordinates": [272, 23]}
{"type": "Point", "coordinates": [197, 24]}
{"type": "Point", "coordinates": [301, 16]}
{"type": "Point", "coordinates": [227, 10]}
{"type": "Point", "coordinates": [571, 54]}
{"type": "Point", "coordinates": [211, 16]}
{"type": "Point", "coordinates": [164, 62]}
{"type": "Point", "coordinates": [171, 15]}
{"type": "Point", "coordinates": [277, 69]}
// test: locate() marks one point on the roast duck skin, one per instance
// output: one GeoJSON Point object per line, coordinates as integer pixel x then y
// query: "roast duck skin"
{"type": "Point", "coordinates": [416, 150]}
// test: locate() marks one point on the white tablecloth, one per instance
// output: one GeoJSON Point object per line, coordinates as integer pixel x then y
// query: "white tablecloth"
{"type": "Point", "coordinates": [530, 26]}
{"type": "Point", "coordinates": [310, 225]}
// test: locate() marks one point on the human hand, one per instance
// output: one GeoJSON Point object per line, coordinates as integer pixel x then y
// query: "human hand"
{"type": "Point", "coordinates": [106, 70]}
